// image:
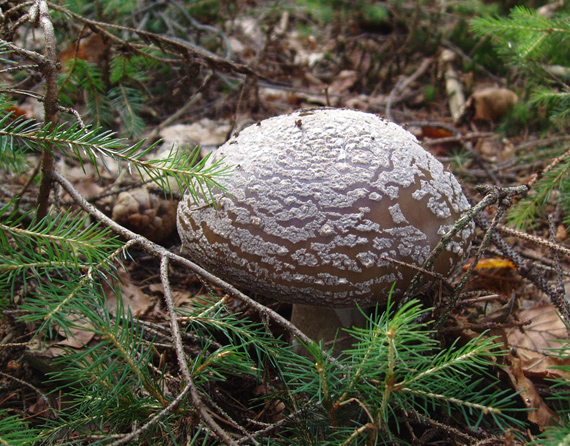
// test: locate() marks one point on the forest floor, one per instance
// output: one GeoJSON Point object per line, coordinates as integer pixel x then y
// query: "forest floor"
{"type": "Point", "coordinates": [420, 67]}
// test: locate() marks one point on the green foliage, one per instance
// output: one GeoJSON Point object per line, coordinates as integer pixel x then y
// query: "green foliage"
{"type": "Point", "coordinates": [12, 152]}
{"type": "Point", "coordinates": [534, 45]}
{"type": "Point", "coordinates": [128, 102]}
{"type": "Point", "coordinates": [116, 383]}
{"type": "Point", "coordinates": [102, 104]}
{"type": "Point", "coordinates": [396, 367]}
{"type": "Point", "coordinates": [181, 165]}
{"type": "Point", "coordinates": [537, 48]}
{"type": "Point", "coordinates": [553, 188]}
{"type": "Point", "coordinates": [14, 431]}
{"type": "Point", "coordinates": [58, 275]}
{"type": "Point", "coordinates": [529, 37]}
{"type": "Point", "coordinates": [84, 79]}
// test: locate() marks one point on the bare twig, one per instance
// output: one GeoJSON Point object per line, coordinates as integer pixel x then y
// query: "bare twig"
{"type": "Point", "coordinates": [48, 66]}
{"type": "Point", "coordinates": [405, 83]}
{"type": "Point", "coordinates": [34, 388]}
{"type": "Point", "coordinates": [183, 360]}
{"type": "Point", "coordinates": [459, 138]}
{"type": "Point", "coordinates": [179, 46]}
{"type": "Point", "coordinates": [196, 96]}
{"type": "Point", "coordinates": [464, 56]}
{"type": "Point", "coordinates": [555, 162]}
{"type": "Point", "coordinates": [534, 239]}
{"type": "Point", "coordinates": [264, 432]}
{"type": "Point", "coordinates": [504, 203]}
{"type": "Point", "coordinates": [145, 427]}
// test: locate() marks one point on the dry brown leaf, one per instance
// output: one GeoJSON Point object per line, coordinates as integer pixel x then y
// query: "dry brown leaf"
{"type": "Point", "coordinates": [492, 104]}
{"type": "Point", "coordinates": [561, 233]}
{"type": "Point", "coordinates": [343, 82]}
{"type": "Point", "coordinates": [133, 297]}
{"type": "Point", "coordinates": [92, 49]}
{"type": "Point", "coordinates": [535, 342]}
{"type": "Point", "coordinates": [184, 298]}
{"type": "Point", "coordinates": [545, 331]}
{"type": "Point", "coordinates": [540, 413]}
{"type": "Point", "coordinates": [87, 187]}
{"type": "Point", "coordinates": [495, 274]}
{"type": "Point", "coordinates": [434, 132]}
{"type": "Point", "coordinates": [495, 263]}
{"type": "Point", "coordinates": [156, 287]}
{"type": "Point", "coordinates": [40, 408]}
{"type": "Point", "coordinates": [79, 335]}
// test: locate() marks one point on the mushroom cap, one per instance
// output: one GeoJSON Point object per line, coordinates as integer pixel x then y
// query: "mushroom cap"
{"type": "Point", "coordinates": [316, 204]}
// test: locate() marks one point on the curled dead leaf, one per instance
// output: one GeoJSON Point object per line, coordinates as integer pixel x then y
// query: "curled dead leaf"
{"type": "Point", "coordinates": [343, 82]}
{"type": "Point", "coordinates": [539, 412]}
{"type": "Point", "coordinates": [561, 233]}
{"type": "Point", "coordinates": [534, 344]}
{"type": "Point", "coordinates": [492, 104]}
{"type": "Point", "coordinates": [138, 302]}
{"type": "Point", "coordinates": [93, 48]}
{"type": "Point", "coordinates": [496, 274]}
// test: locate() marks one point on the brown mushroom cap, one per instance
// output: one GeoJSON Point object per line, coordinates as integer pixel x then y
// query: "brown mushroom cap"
{"type": "Point", "coordinates": [317, 200]}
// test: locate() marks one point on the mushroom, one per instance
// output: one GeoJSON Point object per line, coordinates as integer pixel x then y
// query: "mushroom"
{"type": "Point", "coordinates": [319, 203]}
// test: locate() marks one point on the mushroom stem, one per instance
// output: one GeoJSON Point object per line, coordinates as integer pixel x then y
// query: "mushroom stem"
{"type": "Point", "coordinates": [323, 324]}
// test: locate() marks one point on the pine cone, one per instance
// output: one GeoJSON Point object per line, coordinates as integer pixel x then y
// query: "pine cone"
{"type": "Point", "coordinates": [145, 213]}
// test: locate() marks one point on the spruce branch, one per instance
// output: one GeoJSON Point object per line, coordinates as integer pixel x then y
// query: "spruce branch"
{"type": "Point", "coordinates": [155, 419]}
{"type": "Point", "coordinates": [396, 365]}
{"type": "Point", "coordinates": [74, 290]}
{"type": "Point", "coordinates": [525, 30]}
{"type": "Point", "coordinates": [14, 431]}
{"type": "Point", "coordinates": [182, 165]}
{"type": "Point", "coordinates": [86, 78]}
{"type": "Point", "coordinates": [129, 102]}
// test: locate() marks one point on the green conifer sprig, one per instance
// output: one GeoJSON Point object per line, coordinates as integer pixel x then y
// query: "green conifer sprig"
{"type": "Point", "coordinates": [182, 165]}
{"type": "Point", "coordinates": [533, 44]}
{"type": "Point", "coordinates": [57, 245]}
{"type": "Point", "coordinates": [525, 31]}
{"type": "Point", "coordinates": [113, 376]}
{"type": "Point", "coordinates": [398, 367]}
{"type": "Point", "coordinates": [12, 150]}
{"type": "Point", "coordinates": [537, 47]}
{"type": "Point", "coordinates": [82, 80]}
{"type": "Point", "coordinates": [129, 102]}
{"type": "Point", "coordinates": [15, 431]}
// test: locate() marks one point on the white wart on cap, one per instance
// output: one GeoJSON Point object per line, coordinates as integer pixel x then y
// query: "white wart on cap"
{"type": "Point", "coordinates": [317, 202]}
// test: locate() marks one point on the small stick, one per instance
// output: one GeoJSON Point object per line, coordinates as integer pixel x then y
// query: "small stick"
{"type": "Point", "coordinates": [402, 84]}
